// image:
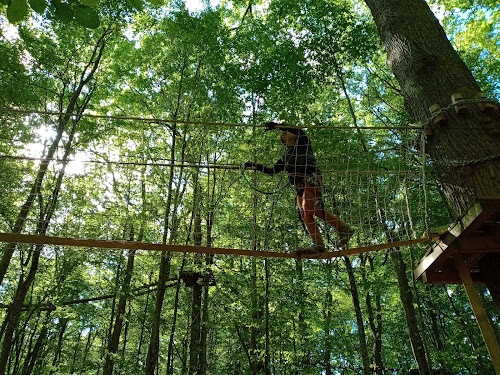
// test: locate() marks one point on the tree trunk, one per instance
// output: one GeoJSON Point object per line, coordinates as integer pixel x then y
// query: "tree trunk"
{"type": "Point", "coordinates": [63, 324]}
{"type": "Point", "coordinates": [75, 353]}
{"type": "Point", "coordinates": [120, 312]}
{"type": "Point", "coordinates": [365, 359]}
{"type": "Point", "coordinates": [15, 309]}
{"type": "Point", "coordinates": [374, 318]}
{"type": "Point", "coordinates": [154, 344]}
{"type": "Point", "coordinates": [328, 322]}
{"type": "Point", "coordinates": [465, 149]}
{"type": "Point", "coordinates": [406, 295]}
{"type": "Point", "coordinates": [195, 343]}
{"type": "Point", "coordinates": [29, 362]}
{"type": "Point", "coordinates": [143, 329]}
{"type": "Point", "coordinates": [267, 354]}
{"type": "Point", "coordinates": [86, 76]}
{"type": "Point", "coordinates": [170, 352]}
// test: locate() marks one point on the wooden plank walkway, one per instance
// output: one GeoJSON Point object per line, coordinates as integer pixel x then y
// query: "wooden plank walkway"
{"type": "Point", "coordinates": [134, 245]}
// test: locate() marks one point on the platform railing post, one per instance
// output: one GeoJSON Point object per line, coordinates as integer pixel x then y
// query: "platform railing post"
{"type": "Point", "coordinates": [479, 312]}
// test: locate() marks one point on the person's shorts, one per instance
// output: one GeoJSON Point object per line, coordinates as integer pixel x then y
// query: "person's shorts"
{"type": "Point", "coordinates": [311, 183]}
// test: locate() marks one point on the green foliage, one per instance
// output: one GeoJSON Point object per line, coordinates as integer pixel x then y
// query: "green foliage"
{"type": "Point", "coordinates": [17, 10]}
{"type": "Point", "coordinates": [38, 6]}
{"type": "Point", "coordinates": [64, 12]}
{"type": "Point", "coordinates": [306, 62]}
{"type": "Point", "coordinates": [87, 17]}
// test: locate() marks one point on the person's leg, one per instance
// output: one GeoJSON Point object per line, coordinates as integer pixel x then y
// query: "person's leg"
{"type": "Point", "coordinates": [306, 204]}
{"type": "Point", "coordinates": [344, 230]}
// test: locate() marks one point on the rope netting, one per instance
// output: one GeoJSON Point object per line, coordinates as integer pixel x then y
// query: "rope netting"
{"type": "Point", "coordinates": [182, 183]}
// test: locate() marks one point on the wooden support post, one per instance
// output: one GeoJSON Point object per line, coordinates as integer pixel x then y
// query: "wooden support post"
{"type": "Point", "coordinates": [479, 312]}
{"type": "Point", "coordinates": [460, 107]}
{"type": "Point", "coordinates": [486, 104]}
{"type": "Point", "coordinates": [439, 118]}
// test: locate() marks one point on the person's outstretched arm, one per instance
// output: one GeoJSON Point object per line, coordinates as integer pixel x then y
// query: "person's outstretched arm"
{"type": "Point", "coordinates": [279, 166]}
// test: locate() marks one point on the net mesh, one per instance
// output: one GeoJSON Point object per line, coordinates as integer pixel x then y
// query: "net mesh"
{"type": "Point", "coordinates": [183, 184]}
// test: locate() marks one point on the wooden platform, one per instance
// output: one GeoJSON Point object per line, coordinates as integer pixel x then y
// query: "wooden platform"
{"type": "Point", "coordinates": [475, 234]}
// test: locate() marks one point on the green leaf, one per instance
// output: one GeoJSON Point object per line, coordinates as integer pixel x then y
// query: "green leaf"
{"type": "Point", "coordinates": [38, 6]}
{"type": "Point", "coordinates": [17, 11]}
{"type": "Point", "coordinates": [157, 2]}
{"type": "Point", "coordinates": [137, 4]}
{"type": "Point", "coordinates": [90, 3]}
{"type": "Point", "coordinates": [64, 13]}
{"type": "Point", "coordinates": [87, 17]}
{"type": "Point", "coordinates": [5, 2]}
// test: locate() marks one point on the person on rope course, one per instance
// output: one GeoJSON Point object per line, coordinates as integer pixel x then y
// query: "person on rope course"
{"type": "Point", "coordinates": [299, 162]}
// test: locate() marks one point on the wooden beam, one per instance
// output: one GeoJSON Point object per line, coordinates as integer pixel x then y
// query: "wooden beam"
{"type": "Point", "coordinates": [134, 245]}
{"type": "Point", "coordinates": [479, 312]}
{"type": "Point", "coordinates": [448, 277]}
{"type": "Point", "coordinates": [477, 232]}
{"type": "Point", "coordinates": [431, 257]}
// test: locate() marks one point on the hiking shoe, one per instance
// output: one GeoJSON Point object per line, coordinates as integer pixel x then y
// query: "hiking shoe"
{"type": "Point", "coordinates": [345, 234]}
{"type": "Point", "coordinates": [312, 250]}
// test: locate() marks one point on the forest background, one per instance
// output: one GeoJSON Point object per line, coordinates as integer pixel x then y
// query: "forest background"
{"type": "Point", "coordinates": [310, 63]}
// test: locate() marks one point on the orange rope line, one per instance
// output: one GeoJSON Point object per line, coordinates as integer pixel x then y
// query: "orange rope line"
{"type": "Point", "coordinates": [157, 120]}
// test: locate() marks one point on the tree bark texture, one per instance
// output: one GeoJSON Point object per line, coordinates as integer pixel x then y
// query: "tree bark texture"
{"type": "Point", "coordinates": [429, 71]}
{"type": "Point", "coordinates": [465, 148]}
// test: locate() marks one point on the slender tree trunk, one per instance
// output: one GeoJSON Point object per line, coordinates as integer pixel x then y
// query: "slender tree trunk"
{"type": "Point", "coordinates": [153, 350]}
{"type": "Point", "coordinates": [86, 76]}
{"type": "Point", "coordinates": [328, 320]}
{"type": "Point", "coordinates": [75, 353]}
{"type": "Point", "coordinates": [143, 328]}
{"type": "Point", "coordinates": [170, 352]}
{"type": "Point", "coordinates": [374, 318]}
{"type": "Point", "coordinates": [301, 347]}
{"type": "Point", "coordinates": [363, 349]}
{"type": "Point", "coordinates": [88, 346]}
{"type": "Point", "coordinates": [154, 344]}
{"type": "Point", "coordinates": [63, 324]}
{"type": "Point", "coordinates": [120, 312]}
{"type": "Point", "coordinates": [30, 360]}
{"type": "Point", "coordinates": [267, 354]}
{"type": "Point", "coordinates": [15, 309]}
{"type": "Point", "coordinates": [195, 342]}
{"type": "Point", "coordinates": [406, 295]}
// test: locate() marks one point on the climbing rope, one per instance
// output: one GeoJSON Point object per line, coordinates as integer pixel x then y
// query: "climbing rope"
{"type": "Point", "coordinates": [277, 191]}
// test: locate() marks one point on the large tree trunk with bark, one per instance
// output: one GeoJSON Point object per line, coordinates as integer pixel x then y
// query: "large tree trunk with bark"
{"type": "Point", "coordinates": [465, 148]}
{"type": "Point", "coordinates": [429, 71]}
